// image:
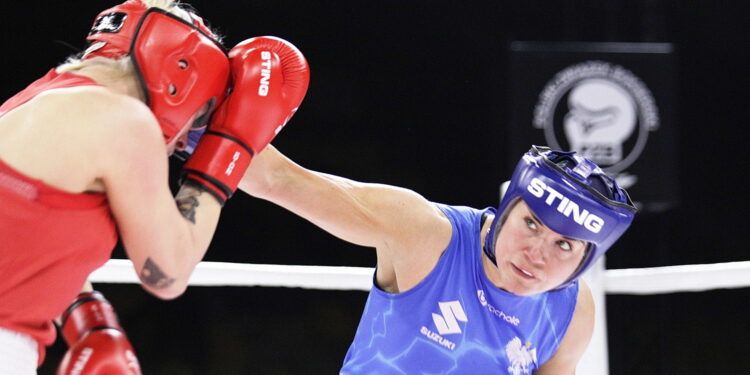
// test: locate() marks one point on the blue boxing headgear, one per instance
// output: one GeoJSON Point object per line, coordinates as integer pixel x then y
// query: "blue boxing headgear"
{"type": "Point", "coordinates": [572, 196]}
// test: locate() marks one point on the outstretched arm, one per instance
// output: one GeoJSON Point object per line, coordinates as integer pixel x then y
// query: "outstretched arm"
{"type": "Point", "coordinates": [408, 232]}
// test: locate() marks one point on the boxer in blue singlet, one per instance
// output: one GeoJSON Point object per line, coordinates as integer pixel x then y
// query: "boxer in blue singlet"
{"type": "Point", "coordinates": [459, 290]}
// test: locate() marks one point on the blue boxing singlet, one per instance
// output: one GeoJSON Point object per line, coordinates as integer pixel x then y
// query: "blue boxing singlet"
{"type": "Point", "coordinates": [455, 321]}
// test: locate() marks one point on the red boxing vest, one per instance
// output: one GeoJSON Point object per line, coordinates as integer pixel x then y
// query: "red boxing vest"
{"type": "Point", "coordinates": [50, 240]}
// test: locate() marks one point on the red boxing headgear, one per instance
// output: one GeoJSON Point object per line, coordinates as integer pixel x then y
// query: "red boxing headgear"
{"type": "Point", "coordinates": [181, 65]}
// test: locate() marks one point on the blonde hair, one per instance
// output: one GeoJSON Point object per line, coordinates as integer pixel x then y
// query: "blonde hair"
{"type": "Point", "coordinates": [124, 66]}
{"type": "Point", "coordinates": [171, 6]}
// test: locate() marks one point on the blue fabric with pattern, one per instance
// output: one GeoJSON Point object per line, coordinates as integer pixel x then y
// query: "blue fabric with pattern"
{"type": "Point", "coordinates": [456, 321]}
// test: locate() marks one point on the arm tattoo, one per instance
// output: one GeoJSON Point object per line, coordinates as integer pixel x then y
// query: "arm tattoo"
{"type": "Point", "coordinates": [187, 200]}
{"type": "Point", "coordinates": [153, 276]}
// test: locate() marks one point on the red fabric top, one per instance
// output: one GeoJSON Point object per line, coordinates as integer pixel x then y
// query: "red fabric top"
{"type": "Point", "coordinates": [50, 240]}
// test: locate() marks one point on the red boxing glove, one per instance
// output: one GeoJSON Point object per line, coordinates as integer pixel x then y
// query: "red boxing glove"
{"type": "Point", "coordinates": [97, 343]}
{"type": "Point", "coordinates": [270, 79]}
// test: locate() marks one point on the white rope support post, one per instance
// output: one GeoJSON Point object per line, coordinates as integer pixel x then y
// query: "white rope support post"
{"type": "Point", "coordinates": [595, 360]}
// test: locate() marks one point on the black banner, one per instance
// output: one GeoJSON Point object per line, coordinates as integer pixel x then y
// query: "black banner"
{"type": "Point", "coordinates": [613, 103]}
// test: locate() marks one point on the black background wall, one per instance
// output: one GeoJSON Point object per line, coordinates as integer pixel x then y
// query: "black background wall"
{"type": "Point", "coordinates": [414, 93]}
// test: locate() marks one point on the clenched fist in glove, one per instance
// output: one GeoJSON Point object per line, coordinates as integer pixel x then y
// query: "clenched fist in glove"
{"type": "Point", "coordinates": [270, 78]}
{"type": "Point", "coordinates": [98, 345]}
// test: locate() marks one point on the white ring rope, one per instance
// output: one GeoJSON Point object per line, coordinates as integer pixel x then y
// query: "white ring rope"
{"type": "Point", "coordinates": [240, 274]}
{"type": "Point", "coordinates": [673, 279]}
{"type": "Point", "coordinates": [670, 279]}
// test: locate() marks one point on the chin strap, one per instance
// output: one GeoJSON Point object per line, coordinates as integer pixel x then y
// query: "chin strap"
{"type": "Point", "coordinates": [484, 246]}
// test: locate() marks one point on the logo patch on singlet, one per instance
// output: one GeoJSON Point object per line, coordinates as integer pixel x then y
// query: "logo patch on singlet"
{"type": "Point", "coordinates": [18, 186]}
{"type": "Point", "coordinates": [109, 23]}
{"type": "Point", "coordinates": [510, 319]}
{"type": "Point", "coordinates": [522, 357]}
{"type": "Point", "coordinates": [446, 322]}
{"type": "Point", "coordinates": [452, 313]}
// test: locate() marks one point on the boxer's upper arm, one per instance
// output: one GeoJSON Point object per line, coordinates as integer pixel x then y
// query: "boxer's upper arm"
{"type": "Point", "coordinates": [576, 338]}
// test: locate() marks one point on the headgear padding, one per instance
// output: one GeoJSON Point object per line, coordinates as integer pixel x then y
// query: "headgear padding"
{"type": "Point", "coordinates": [181, 65]}
{"type": "Point", "coordinates": [572, 196]}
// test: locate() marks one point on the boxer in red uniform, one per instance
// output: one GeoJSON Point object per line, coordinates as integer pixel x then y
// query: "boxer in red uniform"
{"type": "Point", "coordinates": [83, 160]}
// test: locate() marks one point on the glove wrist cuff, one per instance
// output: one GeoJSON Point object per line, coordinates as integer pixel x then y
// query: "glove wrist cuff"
{"type": "Point", "coordinates": [218, 163]}
{"type": "Point", "coordinates": [210, 185]}
{"type": "Point", "coordinates": [89, 311]}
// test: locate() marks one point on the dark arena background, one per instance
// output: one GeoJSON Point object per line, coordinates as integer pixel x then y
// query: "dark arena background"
{"type": "Point", "coordinates": [424, 95]}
